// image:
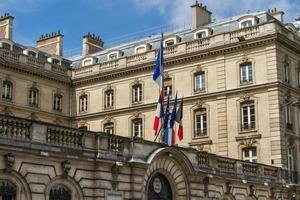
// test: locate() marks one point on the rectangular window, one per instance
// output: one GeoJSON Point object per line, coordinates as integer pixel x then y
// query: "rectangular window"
{"type": "Point", "coordinates": [83, 103]}
{"type": "Point", "coordinates": [201, 34]}
{"type": "Point", "coordinates": [291, 164]}
{"type": "Point", "coordinates": [109, 128]}
{"type": "Point", "coordinates": [137, 128]}
{"type": "Point", "coordinates": [57, 102]}
{"type": "Point", "coordinates": [289, 117]}
{"type": "Point", "coordinates": [137, 93]}
{"type": "Point", "coordinates": [286, 72]}
{"type": "Point", "coordinates": [7, 90]}
{"type": "Point", "coordinates": [249, 154]}
{"type": "Point", "coordinates": [109, 99]}
{"type": "Point", "coordinates": [200, 123]}
{"type": "Point", "coordinates": [248, 116]}
{"type": "Point", "coordinates": [33, 97]}
{"type": "Point", "coordinates": [246, 73]}
{"type": "Point", "coordinates": [298, 78]}
{"type": "Point", "coordinates": [199, 80]}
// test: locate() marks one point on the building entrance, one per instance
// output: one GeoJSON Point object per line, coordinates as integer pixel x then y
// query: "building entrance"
{"type": "Point", "coordinates": [159, 188]}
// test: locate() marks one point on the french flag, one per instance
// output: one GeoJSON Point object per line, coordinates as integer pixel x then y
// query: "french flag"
{"type": "Point", "coordinates": [158, 68]}
{"type": "Point", "coordinates": [159, 112]}
{"type": "Point", "coordinates": [178, 119]}
{"type": "Point", "coordinates": [171, 138]}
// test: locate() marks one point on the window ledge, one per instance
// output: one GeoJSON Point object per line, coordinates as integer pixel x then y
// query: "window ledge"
{"type": "Point", "coordinates": [200, 141]}
{"type": "Point", "coordinates": [137, 103]}
{"type": "Point", "coordinates": [109, 108]}
{"type": "Point", "coordinates": [248, 136]}
{"type": "Point", "coordinates": [33, 105]}
{"type": "Point", "coordinates": [199, 91]}
{"type": "Point", "coordinates": [246, 83]}
{"type": "Point", "coordinates": [83, 112]}
{"type": "Point", "coordinates": [248, 131]}
{"type": "Point", "coordinates": [7, 100]}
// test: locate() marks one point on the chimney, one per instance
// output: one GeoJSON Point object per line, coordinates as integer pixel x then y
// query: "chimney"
{"type": "Point", "coordinates": [51, 43]}
{"type": "Point", "coordinates": [200, 15]}
{"type": "Point", "coordinates": [6, 26]}
{"type": "Point", "coordinates": [91, 44]}
{"type": "Point", "coordinates": [277, 14]}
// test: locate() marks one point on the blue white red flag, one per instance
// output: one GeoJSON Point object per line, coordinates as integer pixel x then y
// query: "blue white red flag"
{"type": "Point", "coordinates": [178, 119]}
{"type": "Point", "coordinates": [159, 68]}
{"type": "Point", "coordinates": [167, 121]}
{"type": "Point", "coordinates": [159, 112]}
{"type": "Point", "coordinates": [171, 138]}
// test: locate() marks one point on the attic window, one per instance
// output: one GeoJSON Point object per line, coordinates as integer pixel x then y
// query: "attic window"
{"type": "Point", "coordinates": [32, 54]}
{"type": "Point", "coordinates": [246, 24]}
{"type": "Point", "coordinates": [140, 49]}
{"type": "Point", "coordinates": [170, 42]}
{"type": "Point", "coordinates": [6, 46]}
{"type": "Point", "coordinates": [113, 56]}
{"type": "Point", "coordinates": [55, 61]}
{"type": "Point", "coordinates": [201, 34]}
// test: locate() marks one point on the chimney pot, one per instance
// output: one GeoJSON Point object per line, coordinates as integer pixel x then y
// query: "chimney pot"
{"type": "Point", "coordinates": [200, 15]}
{"type": "Point", "coordinates": [51, 43]}
{"type": "Point", "coordinates": [6, 30]}
{"type": "Point", "coordinates": [91, 43]}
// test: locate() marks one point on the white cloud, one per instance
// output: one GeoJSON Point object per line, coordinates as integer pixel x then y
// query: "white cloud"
{"type": "Point", "coordinates": [178, 11]}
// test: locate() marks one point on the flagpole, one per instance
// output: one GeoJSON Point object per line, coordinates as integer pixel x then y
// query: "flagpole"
{"type": "Point", "coordinates": [162, 87]}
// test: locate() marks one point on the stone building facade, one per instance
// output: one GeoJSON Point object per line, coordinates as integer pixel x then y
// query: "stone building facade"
{"type": "Point", "coordinates": [240, 80]}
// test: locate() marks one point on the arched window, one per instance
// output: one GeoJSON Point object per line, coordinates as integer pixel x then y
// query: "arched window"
{"type": "Point", "coordinates": [8, 191]}
{"type": "Point", "coordinates": [34, 96]}
{"type": "Point", "coordinates": [57, 102]}
{"type": "Point", "coordinates": [83, 103]}
{"type": "Point", "coordinates": [59, 192]}
{"type": "Point", "coordinates": [7, 90]}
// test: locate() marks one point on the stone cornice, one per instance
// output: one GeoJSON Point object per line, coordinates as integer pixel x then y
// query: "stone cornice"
{"type": "Point", "coordinates": [19, 67]}
{"type": "Point", "coordinates": [179, 59]}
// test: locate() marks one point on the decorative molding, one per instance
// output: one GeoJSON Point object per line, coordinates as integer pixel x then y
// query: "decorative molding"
{"type": "Point", "coordinates": [65, 167]}
{"type": "Point", "coordinates": [245, 97]}
{"type": "Point", "coordinates": [136, 81]}
{"type": "Point", "coordinates": [248, 142]}
{"type": "Point", "coordinates": [9, 161]}
{"type": "Point", "coordinates": [199, 68]}
{"type": "Point", "coordinates": [136, 114]}
{"type": "Point", "coordinates": [166, 75]}
{"type": "Point", "coordinates": [107, 118]}
{"type": "Point", "coordinates": [199, 104]}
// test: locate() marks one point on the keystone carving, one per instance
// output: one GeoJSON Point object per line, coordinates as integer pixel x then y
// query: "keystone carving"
{"type": "Point", "coordinates": [107, 118]}
{"type": "Point", "coordinates": [248, 142]}
{"type": "Point", "coordinates": [9, 161]}
{"type": "Point", "coordinates": [199, 104]}
{"type": "Point", "coordinates": [66, 166]}
{"type": "Point", "coordinates": [136, 81]}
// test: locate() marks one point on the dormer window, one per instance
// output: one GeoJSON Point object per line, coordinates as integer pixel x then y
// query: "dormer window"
{"type": "Point", "coordinates": [114, 55]}
{"type": "Point", "coordinates": [246, 24]}
{"type": "Point", "coordinates": [6, 46]}
{"type": "Point", "coordinates": [89, 61]}
{"type": "Point", "coordinates": [140, 49]}
{"type": "Point", "coordinates": [202, 33]}
{"type": "Point", "coordinates": [32, 54]}
{"type": "Point", "coordinates": [55, 61]}
{"type": "Point", "coordinates": [248, 21]}
{"type": "Point", "coordinates": [169, 42]}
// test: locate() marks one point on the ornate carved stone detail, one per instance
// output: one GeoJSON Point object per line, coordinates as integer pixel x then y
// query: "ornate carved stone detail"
{"type": "Point", "coordinates": [228, 188]}
{"type": "Point", "coordinates": [33, 116]}
{"type": "Point", "coordinates": [245, 59]}
{"type": "Point", "coordinates": [7, 111]}
{"type": "Point", "coordinates": [115, 174]}
{"type": "Point", "coordinates": [65, 166]}
{"type": "Point", "coordinates": [199, 68]}
{"type": "Point", "coordinates": [199, 104]}
{"type": "Point", "coordinates": [166, 75]}
{"type": "Point", "coordinates": [107, 118]}
{"type": "Point", "coordinates": [108, 87]}
{"type": "Point", "coordinates": [136, 81]}
{"type": "Point", "coordinates": [248, 142]}
{"type": "Point", "coordinates": [245, 97]}
{"type": "Point", "coordinates": [205, 183]}
{"type": "Point", "coordinates": [9, 161]}
{"type": "Point", "coordinates": [136, 114]}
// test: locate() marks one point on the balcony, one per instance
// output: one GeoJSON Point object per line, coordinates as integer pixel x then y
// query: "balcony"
{"type": "Point", "coordinates": [44, 137]}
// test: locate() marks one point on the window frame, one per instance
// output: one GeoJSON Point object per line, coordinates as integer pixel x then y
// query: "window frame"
{"type": "Point", "coordinates": [251, 124]}
{"type": "Point", "coordinates": [202, 74]}
{"type": "Point", "coordinates": [168, 86]}
{"type": "Point", "coordinates": [109, 104]}
{"type": "Point", "coordinates": [34, 97]}
{"type": "Point", "coordinates": [133, 123]}
{"type": "Point", "coordinates": [4, 95]}
{"type": "Point", "coordinates": [248, 74]}
{"type": "Point", "coordinates": [58, 187]}
{"type": "Point", "coordinates": [251, 158]}
{"type": "Point", "coordinates": [204, 126]}
{"type": "Point", "coordinates": [83, 103]}
{"type": "Point", "coordinates": [109, 126]}
{"type": "Point", "coordinates": [139, 93]}
{"type": "Point", "coordinates": [60, 106]}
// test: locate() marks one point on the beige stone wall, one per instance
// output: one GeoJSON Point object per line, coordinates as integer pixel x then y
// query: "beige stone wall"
{"type": "Point", "coordinates": [47, 88]}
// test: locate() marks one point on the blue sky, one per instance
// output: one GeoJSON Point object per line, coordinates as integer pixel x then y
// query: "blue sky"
{"type": "Point", "coordinates": [112, 19]}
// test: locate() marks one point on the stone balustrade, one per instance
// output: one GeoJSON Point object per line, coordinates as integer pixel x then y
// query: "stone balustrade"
{"type": "Point", "coordinates": [30, 61]}
{"type": "Point", "coordinates": [190, 46]}
{"type": "Point", "coordinates": [45, 137]}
